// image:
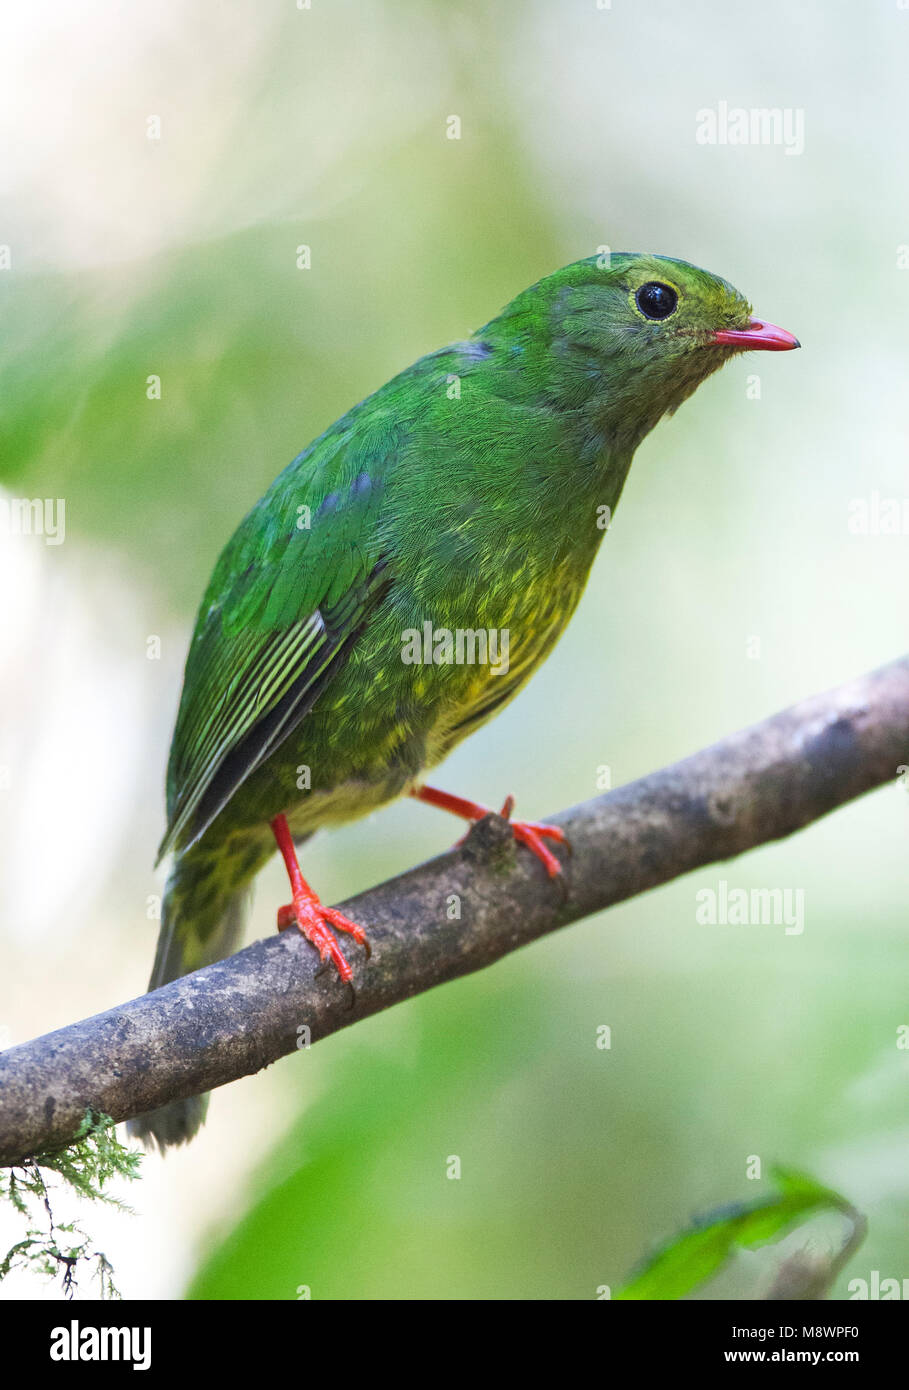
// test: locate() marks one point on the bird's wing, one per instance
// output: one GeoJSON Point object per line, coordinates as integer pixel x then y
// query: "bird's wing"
{"type": "Point", "coordinates": [287, 600]}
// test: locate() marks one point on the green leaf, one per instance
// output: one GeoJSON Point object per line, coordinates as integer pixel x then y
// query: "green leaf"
{"type": "Point", "coordinates": [698, 1253]}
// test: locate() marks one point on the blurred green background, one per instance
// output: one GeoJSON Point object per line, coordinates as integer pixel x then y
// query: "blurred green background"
{"type": "Point", "coordinates": [730, 585]}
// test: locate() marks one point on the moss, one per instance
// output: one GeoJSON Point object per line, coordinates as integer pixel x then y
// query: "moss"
{"type": "Point", "coordinates": [63, 1249]}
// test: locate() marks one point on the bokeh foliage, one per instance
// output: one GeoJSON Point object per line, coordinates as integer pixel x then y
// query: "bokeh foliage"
{"type": "Point", "coordinates": [727, 1042]}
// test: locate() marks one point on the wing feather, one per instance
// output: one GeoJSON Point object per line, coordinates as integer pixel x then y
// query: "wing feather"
{"type": "Point", "coordinates": [281, 614]}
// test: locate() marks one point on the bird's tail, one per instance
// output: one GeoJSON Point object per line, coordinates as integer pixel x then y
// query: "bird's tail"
{"type": "Point", "coordinates": [202, 920]}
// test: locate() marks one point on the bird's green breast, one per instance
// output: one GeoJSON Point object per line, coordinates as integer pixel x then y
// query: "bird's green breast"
{"type": "Point", "coordinates": [483, 513]}
{"type": "Point", "coordinates": [429, 669]}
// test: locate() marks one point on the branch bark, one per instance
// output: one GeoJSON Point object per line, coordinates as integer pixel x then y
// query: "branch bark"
{"type": "Point", "coordinates": [237, 1016]}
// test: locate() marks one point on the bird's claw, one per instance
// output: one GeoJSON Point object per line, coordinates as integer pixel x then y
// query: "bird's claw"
{"type": "Point", "coordinates": [526, 832]}
{"type": "Point", "coordinates": [531, 834]}
{"type": "Point", "coordinates": [315, 921]}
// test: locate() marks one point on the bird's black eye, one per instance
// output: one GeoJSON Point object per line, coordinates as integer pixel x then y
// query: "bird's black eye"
{"type": "Point", "coordinates": [656, 301]}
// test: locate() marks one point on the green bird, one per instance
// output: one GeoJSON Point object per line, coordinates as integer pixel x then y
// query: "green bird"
{"type": "Point", "coordinates": [403, 578]}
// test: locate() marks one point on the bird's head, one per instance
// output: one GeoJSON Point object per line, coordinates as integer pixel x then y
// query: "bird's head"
{"type": "Point", "coordinates": [629, 337]}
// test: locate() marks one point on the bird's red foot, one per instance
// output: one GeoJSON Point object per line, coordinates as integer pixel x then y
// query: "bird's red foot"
{"type": "Point", "coordinates": [310, 916]}
{"type": "Point", "coordinates": [315, 921]}
{"type": "Point", "coordinates": [531, 833]}
{"type": "Point", "coordinates": [527, 832]}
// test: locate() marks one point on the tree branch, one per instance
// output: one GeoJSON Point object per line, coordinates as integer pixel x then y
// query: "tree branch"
{"type": "Point", "coordinates": [233, 1018]}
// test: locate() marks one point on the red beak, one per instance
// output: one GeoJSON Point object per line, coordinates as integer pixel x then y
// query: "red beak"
{"type": "Point", "coordinates": [758, 335]}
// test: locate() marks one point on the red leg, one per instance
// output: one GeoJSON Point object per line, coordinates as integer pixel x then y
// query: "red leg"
{"type": "Point", "coordinates": [308, 914]}
{"type": "Point", "coordinates": [526, 832]}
